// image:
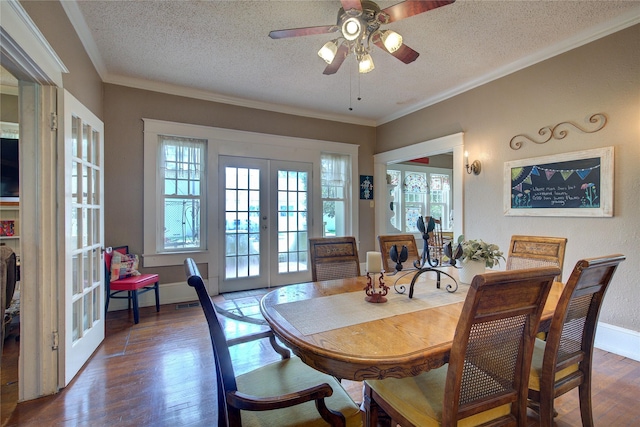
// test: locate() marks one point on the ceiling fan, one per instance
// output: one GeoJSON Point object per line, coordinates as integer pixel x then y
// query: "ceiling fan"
{"type": "Point", "coordinates": [359, 25]}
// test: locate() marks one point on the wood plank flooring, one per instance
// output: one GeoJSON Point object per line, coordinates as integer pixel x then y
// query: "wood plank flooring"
{"type": "Point", "coordinates": [160, 373]}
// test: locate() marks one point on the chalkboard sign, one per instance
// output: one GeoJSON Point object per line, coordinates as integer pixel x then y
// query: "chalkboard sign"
{"type": "Point", "coordinates": [569, 184]}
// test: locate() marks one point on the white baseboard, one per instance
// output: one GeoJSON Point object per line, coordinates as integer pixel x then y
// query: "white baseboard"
{"type": "Point", "coordinates": [615, 339]}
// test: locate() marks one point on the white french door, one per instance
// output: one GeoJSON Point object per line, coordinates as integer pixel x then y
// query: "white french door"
{"type": "Point", "coordinates": [82, 161]}
{"type": "Point", "coordinates": [265, 206]}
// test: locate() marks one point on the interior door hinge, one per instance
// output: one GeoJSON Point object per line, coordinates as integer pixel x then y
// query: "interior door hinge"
{"type": "Point", "coordinates": [54, 346]}
{"type": "Point", "coordinates": [54, 121]}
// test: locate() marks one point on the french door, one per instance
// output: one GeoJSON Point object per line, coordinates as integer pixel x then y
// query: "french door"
{"type": "Point", "coordinates": [83, 271]}
{"type": "Point", "coordinates": [266, 209]}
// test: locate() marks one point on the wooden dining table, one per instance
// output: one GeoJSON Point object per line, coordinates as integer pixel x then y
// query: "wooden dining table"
{"type": "Point", "coordinates": [331, 327]}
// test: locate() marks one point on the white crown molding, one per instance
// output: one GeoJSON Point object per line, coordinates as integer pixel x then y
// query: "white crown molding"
{"type": "Point", "coordinates": [223, 99]}
{"type": "Point", "coordinates": [587, 36]}
{"type": "Point", "coordinates": [78, 22]}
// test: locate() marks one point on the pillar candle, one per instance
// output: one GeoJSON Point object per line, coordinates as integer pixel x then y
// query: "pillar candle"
{"type": "Point", "coordinates": [374, 262]}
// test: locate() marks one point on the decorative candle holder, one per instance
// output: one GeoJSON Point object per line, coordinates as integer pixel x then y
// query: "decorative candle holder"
{"type": "Point", "coordinates": [373, 295]}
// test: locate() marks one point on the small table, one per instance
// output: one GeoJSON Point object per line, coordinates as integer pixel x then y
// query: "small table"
{"type": "Point", "coordinates": [333, 329]}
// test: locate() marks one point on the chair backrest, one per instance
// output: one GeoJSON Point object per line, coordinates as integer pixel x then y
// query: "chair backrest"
{"type": "Point", "coordinates": [333, 258]}
{"type": "Point", "coordinates": [387, 241]}
{"type": "Point", "coordinates": [492, 347]}
{"type": "Point", "coordinates": [536, 251]}
{"type": "Point", "coordinates": [573, 327]}
{"type": "Point", "coordinates": [435, 240]}
{"type": "Point", "coordinates": [225, 376]}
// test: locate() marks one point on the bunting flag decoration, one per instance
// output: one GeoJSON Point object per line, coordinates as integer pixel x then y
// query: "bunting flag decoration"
{"type": "Point", "coordinates": [518, 173]}
{"type": "Point", "coordinates": [583, 173]}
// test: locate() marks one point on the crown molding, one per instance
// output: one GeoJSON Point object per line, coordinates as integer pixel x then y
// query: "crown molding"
{"type": "Point", "coordinates": [177, 90]}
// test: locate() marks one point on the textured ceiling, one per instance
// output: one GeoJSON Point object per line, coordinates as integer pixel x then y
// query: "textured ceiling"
{"type": "Point", "coordinates": [220, 50]}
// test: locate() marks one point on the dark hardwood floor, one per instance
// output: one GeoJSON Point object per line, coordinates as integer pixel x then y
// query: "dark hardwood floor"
{"type": "Point", "coordinates": [159, 373]}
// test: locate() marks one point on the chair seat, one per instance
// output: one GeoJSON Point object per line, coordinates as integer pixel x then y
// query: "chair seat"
{"type": "Point", "coordinates": [133, 282]}
{"type": "Point", "coordinates": [536, 366]}
{"type": "Point", "coordinates": [420, 399]}
{"type": "Point", "coordinates": [287, 376]}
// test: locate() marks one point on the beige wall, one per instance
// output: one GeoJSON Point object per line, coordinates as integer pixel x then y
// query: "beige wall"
{"type": "Point", "coordinates": [601, 77]}
{"type": "Point", "coordinates": [82, 81]}
{"type": "Point", "coordinates": [8, 108]}
{"type": "Point", "coordinates": [126, 107]}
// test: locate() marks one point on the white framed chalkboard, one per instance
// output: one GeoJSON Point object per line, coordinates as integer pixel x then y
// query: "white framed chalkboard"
{"type": "Point", "coordinates": [569, 184]}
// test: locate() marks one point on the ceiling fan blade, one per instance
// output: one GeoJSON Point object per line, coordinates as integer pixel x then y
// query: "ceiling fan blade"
{"type": "Point", "coordinates": [306, 31]}
{"type": "Point", "coordinates": [404, 53]}
{"type": "Point", "coordinates": [409, 8]}
{"type": "Point", "coordinates": [351, 4]}
{"type": "Point", "coordinates": [341, 55]}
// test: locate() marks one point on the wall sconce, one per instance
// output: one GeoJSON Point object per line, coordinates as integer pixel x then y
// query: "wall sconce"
{"type": "Point", "coordinates": [475, 167]}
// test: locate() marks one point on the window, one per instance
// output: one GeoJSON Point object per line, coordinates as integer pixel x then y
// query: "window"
{"type": "Point", "coordinates": [335, 183]}
{"type": "Point", "coordinates": [198, 227]}
{"type": "Point", "coordinates": [181, 169]}
{"type": "Point", "coordinates": [415, 194]}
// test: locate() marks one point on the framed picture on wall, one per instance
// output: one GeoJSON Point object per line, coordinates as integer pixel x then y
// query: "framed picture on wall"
{"type": "Point", "coordinates": [366, 187]}
{"type": "Point", "coordinates": [576, 184]}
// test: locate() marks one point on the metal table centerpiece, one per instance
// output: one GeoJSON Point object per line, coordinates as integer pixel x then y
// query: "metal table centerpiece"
{"type": "Point", "coordinates": [425, 263]}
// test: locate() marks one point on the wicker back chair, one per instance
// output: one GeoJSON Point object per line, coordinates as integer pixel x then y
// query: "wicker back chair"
{"type": "Point", "coordinates": [286, 392]}
{"type": "Point", "coordinates": [564, 361]}
{"type": "Point", "coordinates": [536, 251]}
{"type": "Point", "coordinates": [436, 242]}
{"type": "Point", "coordinates": [386, 242]}
{"type": "Point", "coordinates": [488, 370]}
{"type": "Point", "coordinates": [333, 258]}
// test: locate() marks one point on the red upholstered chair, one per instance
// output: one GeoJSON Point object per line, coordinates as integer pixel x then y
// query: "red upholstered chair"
{"type": "Point", "coordinates": [133, 285]}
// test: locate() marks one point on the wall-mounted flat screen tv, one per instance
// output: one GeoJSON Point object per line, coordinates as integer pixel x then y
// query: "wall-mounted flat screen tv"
{"type": "Point", "coordinates": [9, 170]}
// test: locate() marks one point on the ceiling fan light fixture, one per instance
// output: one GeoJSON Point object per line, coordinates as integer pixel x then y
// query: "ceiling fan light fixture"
{"type": "Point", "coordinates": [351, 28]}
{"type": "Point", "coordinates": [392, 40]}
{"type": "Point", "coordinates": [365, 64]}
{"type": "Point", "coordinates": [328, 51]}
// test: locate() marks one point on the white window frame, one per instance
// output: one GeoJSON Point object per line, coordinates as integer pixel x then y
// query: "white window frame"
{"type": "Point", "coordinates": [228, 142]}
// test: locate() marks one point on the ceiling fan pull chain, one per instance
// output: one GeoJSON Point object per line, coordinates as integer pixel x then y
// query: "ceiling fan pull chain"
{"type": "Point", "coordinates": [350, 92]}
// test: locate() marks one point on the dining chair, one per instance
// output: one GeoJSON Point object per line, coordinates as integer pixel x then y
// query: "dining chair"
{"type": "Point", "coordinates": [487, 374]}
{"type": "Point", "coordinates": [131, 282]}
{"type": "Point", "coordinates": [286, 392]}
{"type": "Point", "coordinates": [436, 241]}
{"type": "Point", "coordinates": [386, 242]}
{"type": "Point", "coordinates": [536, 251]}
{"type": "Point", "coordinates": [564, 361]}
{"type": "Point", "coordinates": [333, 258]}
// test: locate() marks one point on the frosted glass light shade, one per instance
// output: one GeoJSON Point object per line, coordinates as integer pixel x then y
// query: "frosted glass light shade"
{"type": "Point", "coordinates": [366, 64]}
{"type": "Point", "coordinates": [328, 51]}
{"type": "Point", "coordinates": [392, 40]}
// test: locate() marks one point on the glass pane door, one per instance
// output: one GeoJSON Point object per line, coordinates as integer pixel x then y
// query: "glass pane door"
{"type": "Point", "coordinates": [84, 202]}
{"type": "Point", "coordinates": [265, 209]}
